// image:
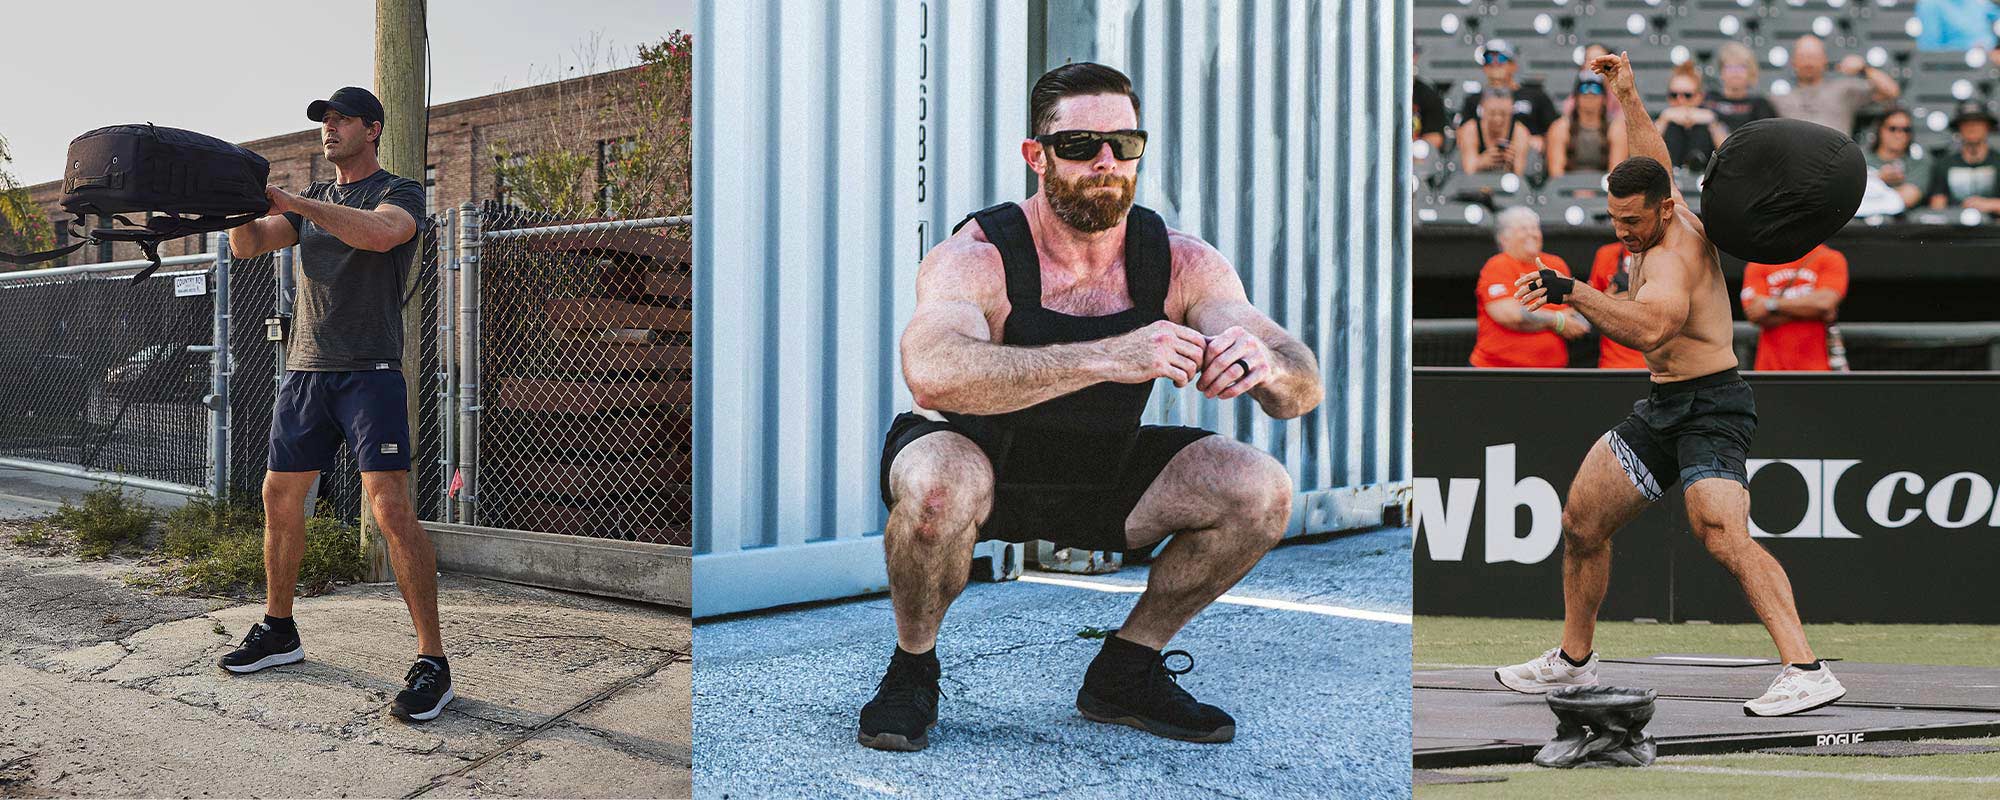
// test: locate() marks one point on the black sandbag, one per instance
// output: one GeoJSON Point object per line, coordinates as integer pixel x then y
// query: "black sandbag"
{"type": "Point", "coordinates": [1600, 726]}
{"type": "Point", "coordinates": [1777, 188]}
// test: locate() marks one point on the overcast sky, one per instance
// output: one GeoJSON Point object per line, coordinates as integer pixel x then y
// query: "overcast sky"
{"type": "Point", "coordinates": [245, 69]}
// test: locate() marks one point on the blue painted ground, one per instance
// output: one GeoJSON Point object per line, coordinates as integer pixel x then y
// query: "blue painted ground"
{"type": "Point", "coordinates": [1322, 702]}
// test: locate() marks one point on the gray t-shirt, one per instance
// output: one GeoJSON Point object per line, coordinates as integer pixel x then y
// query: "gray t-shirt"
{"type": "Point", "coordinates": [349, 311]}
{"type": "Point", "coordinates": [1831, 102]}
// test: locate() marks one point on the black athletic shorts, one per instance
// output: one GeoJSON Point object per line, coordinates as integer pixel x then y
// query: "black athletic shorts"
{"type": "Point", "coordinates": [316, 411]}
{"type": "Point", "coordinates": [1686, 431]}
{"type": "Point", "coordinates": [1075, 494]}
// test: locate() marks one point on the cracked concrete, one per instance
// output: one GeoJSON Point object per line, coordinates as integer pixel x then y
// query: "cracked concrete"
{"type": "Point", "coordinates": [1322, 702]}
{"type": "Point", "coordinates": [106, 690]}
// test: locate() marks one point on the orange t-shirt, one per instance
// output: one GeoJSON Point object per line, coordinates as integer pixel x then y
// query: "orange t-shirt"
{"type": "Point", "coordinates": [1500, 347]}
{"type": "Point", "coordinates": [1799, 344]}
{"type": "Point", "coordinates": [1612, 259]}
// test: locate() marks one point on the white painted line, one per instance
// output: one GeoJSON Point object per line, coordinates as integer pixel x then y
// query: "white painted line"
{"type": "Point", "coordinates": [1864, 777]}
{"type": "Point", "coordinates": [1239, 600]}
{"type": "Point", "coordinates": [1702, 660]}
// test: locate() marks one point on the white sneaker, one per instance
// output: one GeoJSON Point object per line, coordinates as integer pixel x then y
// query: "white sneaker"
{"type": "Point", "coordinates": [1547, 673]}
{"type": "Point", "coordinates": [1797, 690]}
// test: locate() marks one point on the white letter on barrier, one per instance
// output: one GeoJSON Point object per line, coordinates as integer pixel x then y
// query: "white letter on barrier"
{"type": "Point", "coordinates": [1450, 517]}
{"type": "Point", "coordinates": [1503, 495]}
{"type": "Point", "coordinates": [1938, 503]}
{"type": "Point", "coordinates": [1879, 494]}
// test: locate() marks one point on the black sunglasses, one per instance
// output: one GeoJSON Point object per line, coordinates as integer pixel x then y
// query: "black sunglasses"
{"type": "Point", "coordinates": [1895, 129]}
{"type": "Point", "coordinates": [1085, 145]}
{"type": "Point", "coordinates": [1683, 95]}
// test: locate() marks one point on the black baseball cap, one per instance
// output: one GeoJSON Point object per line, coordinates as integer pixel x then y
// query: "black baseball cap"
{"type": "Point", "coordinates": [1971, 110]}
{"type": "Point", "coordinates": [352, 101]}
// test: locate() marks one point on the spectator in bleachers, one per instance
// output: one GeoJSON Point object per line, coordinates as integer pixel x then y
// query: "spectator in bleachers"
{"type": "Point", "coordinates": [1428, 122]}
{"type": "Point", "coordinates": [1889, 155]}
{"type": "Point", "coordinates": [1691, 129]}
{"type": "Point", "coordinates": [1967, 176]}
{"type": "Point", "coordinates": [1591, 51]}
{"type": "Point", "coordinates": [1585, 139]}
{"type": "Point", "coordinates": [1791, 304]}
{"type": "Point", "coordinates": [1831, 101]}
{"type": "Point", "coordinates": [1611, 273]}
{"type": "Point", "coordinates": [1738, 104]}
{"type": "Point", "coordinates": [1532, 105]}
{"type": "Point", "coordinates": [1956, 24]}
{"type": "Point", "coordinates": [1509, 335]}
{"type": "Point", "coordinates": [1494, 139]}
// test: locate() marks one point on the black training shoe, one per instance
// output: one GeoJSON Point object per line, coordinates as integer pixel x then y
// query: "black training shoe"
{"type": "Point", "coordinates": [429, 689]}
{"type": "Point", "coordinates": [905, 705]}
{"type": "Point", "coordinates": [262, 647]}
{"type": "Point", "coordinates": [1130, 684]}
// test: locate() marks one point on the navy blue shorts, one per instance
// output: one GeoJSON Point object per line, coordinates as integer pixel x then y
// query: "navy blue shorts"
{"type": "Point", "coordinates": [317, 410]}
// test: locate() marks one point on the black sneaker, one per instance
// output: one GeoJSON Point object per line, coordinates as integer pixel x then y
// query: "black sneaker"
{"type": "Point", "coordinates": [1131, 684]}
{"type": "Point", "coordinates": [905, 705]}
{"type": "Point", "coordinates": [429, 689]}
{"type": "Point", "coordinates": [262, 647]}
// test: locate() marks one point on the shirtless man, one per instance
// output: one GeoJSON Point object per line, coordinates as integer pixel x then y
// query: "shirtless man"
{"type": "Point", "coordinates": [1694, 428]}
{"type": "Point", "coordinates": [1038, 332]}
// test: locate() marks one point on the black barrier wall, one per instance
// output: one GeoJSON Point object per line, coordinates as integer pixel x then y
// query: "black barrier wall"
{"type": "Point", "coordinates": [1875, 490]}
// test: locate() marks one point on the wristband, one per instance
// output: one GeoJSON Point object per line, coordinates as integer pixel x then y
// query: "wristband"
{"type": "Point", "coordinates": [1561, 320]}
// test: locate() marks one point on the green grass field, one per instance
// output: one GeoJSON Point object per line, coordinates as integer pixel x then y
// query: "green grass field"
{"type": "Point", "coordinates": [1444, 642]}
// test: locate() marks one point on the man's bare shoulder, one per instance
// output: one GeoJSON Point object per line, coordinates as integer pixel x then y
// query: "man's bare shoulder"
{"type": "Point", "coordinates": [965, 265]}
{"type": "Point", "coordinates": [1195, 261]}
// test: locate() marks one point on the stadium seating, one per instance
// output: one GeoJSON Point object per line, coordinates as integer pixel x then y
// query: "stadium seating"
{"type": "Point", "coordinates": [1550, 35]}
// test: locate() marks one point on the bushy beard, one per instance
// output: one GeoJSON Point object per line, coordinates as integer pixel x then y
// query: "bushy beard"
{"type": "Point", "coordinates": [1079, 208]}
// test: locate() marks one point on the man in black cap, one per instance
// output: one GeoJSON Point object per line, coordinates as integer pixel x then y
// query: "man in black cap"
{"type": "Point", "coordinates": [357, 238]}
{"type": "Point", "coordinates": [1970, 175]}
{"type": "Point", "coordinates": [1694, 428]}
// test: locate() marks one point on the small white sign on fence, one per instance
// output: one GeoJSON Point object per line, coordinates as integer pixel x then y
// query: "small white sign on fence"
{"type": "Point", "coordinates": [194, 285]}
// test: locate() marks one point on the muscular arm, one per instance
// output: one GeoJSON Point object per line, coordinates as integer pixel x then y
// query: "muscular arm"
{"type": "Point", "coordinates": [1654, 314]}
{"type": "Point", "coordinates": [378, 230]}
{"type": "Point", "coordinates": [1212, 294]}
{"type": "Point", "coordinates": [1643, 139]}
{"type": "Point", "coordinates": [261, 236]}
{"type": "Point", "coordinates": [950, 361]}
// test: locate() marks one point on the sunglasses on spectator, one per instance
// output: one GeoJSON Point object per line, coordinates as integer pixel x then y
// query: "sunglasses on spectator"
{"type": "Point", "coordinates": [1683, 95]}
{"type": "Point", "coordinates": [1497, 58]}
{"type": "Point", "coordinates": [1085, 145]}
{"type": "Point", "coordinates": [1590, 88]}
{"type": "Point", "coordinates": [1895, 129]}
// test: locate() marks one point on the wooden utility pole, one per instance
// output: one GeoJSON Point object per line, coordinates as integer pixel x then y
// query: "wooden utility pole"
{"type": "Point", "coordinates": [400, 39]}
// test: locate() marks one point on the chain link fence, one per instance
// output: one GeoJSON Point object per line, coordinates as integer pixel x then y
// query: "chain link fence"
{"type": "Point", "coordinates": [260, 291]}
{"type": "Point", "coordinates": [97, 373]}
{"type": "Point", "coordinates": [580, 376]}
{"type": "Point", "coordinates": [1871, 346]}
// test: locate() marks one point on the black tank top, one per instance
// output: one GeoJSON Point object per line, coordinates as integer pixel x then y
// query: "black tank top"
{"type": "Point", "coordinates": [1100, 419]}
